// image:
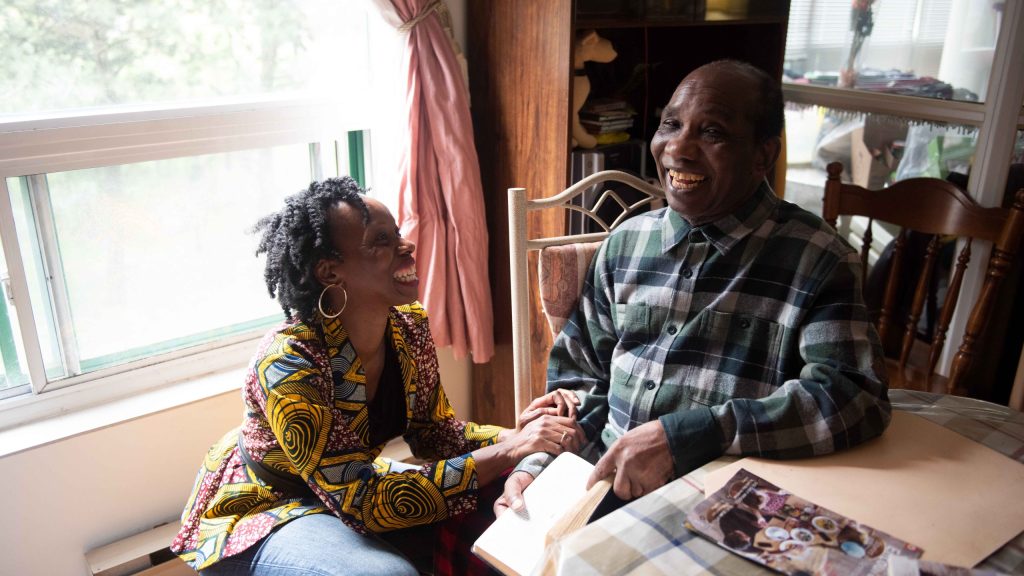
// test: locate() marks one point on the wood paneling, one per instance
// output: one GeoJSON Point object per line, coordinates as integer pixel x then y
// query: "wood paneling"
{"type": "Point", "coordinates": [520, 69]}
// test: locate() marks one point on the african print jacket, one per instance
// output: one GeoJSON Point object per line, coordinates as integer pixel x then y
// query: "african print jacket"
{"type": "Point", "coordinates": [306, 416]}
{"type": "Point", "coordinates": [746, 336]}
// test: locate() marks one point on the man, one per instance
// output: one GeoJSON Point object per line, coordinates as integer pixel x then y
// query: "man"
{"type": "Point", "coordinates": [729, 323]}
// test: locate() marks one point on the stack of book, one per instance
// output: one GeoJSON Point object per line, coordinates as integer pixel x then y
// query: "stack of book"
{"type": "Point", "coordinates": [607, 116]}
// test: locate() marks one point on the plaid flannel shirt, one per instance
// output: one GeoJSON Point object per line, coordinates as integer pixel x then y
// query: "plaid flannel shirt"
{"type": "Point", "coordinates": [746, 336]}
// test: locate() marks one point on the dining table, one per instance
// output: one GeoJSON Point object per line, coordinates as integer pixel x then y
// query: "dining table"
{"type": "Point", "coordinates": [647, 536]}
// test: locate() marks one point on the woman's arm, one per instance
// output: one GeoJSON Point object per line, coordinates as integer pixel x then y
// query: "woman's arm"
{"type": "Point", "coordinates": [322, 440]}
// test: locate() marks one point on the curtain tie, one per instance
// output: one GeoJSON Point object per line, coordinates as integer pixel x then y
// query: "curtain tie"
{"type": "Point", "coordinates": [436, 6]}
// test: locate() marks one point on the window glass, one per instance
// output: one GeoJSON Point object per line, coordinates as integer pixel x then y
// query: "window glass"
{"type": "Point", "coordinates": [876, 150]}
{"type": "Point", "coordinates": [31, 258]}
{"type": "Point", "coordinates": [929, 48]}
{"type": "Point", "coordinates": [12, 359]}
{"type": "Point", "coordinates": [61, 54]}
{"type": "Point", "coordinates": [162, 247]}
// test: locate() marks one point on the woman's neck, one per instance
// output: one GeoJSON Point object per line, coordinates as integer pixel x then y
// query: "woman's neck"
{"type": "Point", "coordinates": [366, 329]}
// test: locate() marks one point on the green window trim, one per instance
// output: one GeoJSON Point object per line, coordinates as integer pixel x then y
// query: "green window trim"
{"type": "Point", "coordinates": [356, 157]}
{"type": "Point", "coordinates": [12, 375]}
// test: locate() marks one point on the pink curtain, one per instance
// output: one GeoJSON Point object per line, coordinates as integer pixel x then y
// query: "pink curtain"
{"type": "Point", "coordinates": [441, 204]}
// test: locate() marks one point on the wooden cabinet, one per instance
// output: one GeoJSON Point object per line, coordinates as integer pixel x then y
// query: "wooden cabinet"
{"type": "Point", "coordinates": [520, 56]}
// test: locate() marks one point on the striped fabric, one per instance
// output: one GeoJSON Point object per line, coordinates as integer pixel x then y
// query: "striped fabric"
{"type": "Point", "coordinates": [306, 416]}
{"type": "Point", "coordinates": [746, 336]}
{"type": "Point", "coordinates": [563, 269]}
{"type": "Point", "coordinates": [647, 536]}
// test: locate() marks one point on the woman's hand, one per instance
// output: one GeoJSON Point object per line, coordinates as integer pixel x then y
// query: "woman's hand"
{"type": "Point", "coordinates": [551, 434]}
{"type": "Point", "coordinates": [559, 402]}
{"type": "Point", "coordinates": [512, 497]}
{"type": "Point", "coordinates": [546, 433]}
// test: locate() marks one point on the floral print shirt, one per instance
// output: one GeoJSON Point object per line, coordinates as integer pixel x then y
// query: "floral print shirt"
{"type": "Point", "coordinates": [306, 418]}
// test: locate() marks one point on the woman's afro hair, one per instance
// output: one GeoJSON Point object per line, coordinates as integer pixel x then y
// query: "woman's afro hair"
{"type": "Point", "coordinates": [298, 236]}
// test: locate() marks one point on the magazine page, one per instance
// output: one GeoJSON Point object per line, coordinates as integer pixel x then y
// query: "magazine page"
{"type": "Point", "coordinates": [762, 522]}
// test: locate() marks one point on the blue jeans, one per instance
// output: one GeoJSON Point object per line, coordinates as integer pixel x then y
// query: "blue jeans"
{"type": "Point", "coordinates": [320, 545]}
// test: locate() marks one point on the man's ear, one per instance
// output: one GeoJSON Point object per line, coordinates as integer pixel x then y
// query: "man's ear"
{"type": "Point", "coordinates": [327, 272]}
{"type": "Point", "coordinates": [766, 155]}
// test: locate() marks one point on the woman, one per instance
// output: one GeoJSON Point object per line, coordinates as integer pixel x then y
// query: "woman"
{"type": "Point", "coordinates": [298, 487]}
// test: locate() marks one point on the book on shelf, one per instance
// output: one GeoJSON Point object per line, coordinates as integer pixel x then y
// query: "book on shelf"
{"type": "Point", "coordinates": [606, 105]}
{"type": "Point", "coordinates": [557, 503]}
{"type": "Point", "coordinates": [606, 116]}
{"type": "Point", "coordinates": [605, 127]}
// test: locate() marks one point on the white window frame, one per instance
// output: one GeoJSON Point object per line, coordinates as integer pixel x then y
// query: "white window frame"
{"type": "Point", "coordinates": [123, 135]}
{"type": "Point", "coordinates": [998, 119]}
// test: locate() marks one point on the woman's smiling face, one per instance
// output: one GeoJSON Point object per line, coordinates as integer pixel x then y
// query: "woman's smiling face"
{"type": "Point", "coordinates": [376, 263]}
{"type": "Point", "coordinates": [707, 156]}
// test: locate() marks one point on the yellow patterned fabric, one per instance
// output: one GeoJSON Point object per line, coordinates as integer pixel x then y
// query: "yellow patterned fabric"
{"type": "Point", "coordinates": [306, 417]}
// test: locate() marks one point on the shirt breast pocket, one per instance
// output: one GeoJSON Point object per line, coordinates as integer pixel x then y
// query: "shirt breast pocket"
{"type": "Point", "coordinates": [638, 323]}
{"type": "Point", "coordinates": [741, 356]}
{"type": "Point", "coordinates": [637, 326]}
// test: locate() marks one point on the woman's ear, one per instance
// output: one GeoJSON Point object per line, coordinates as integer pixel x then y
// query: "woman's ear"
{"type": "Point", "coordinates": [327, 272]}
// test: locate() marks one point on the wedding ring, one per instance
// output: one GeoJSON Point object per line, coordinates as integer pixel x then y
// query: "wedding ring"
{"type": "Point", "coordinates": [562, 439]}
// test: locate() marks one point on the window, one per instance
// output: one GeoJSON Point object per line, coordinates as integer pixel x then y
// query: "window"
{"type": "Point", "coordinates": [903, 88]}
{"type": "Point", "coordinates": [142, 141]}
{"type": "Point", "coordinates": [917, 97]}
{"type": "Point", "coordinates": [875, 149]}
{"type": "Point", "coordinates": [930, 48]}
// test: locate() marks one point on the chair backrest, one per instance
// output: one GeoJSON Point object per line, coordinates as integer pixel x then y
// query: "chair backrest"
{"type": "Point", "coordinates": [572, 262]}
{"type": "Point", "coordinates": [931, 213]}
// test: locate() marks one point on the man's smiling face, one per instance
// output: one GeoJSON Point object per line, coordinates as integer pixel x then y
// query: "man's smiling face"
{"type": "Point", "coordinates": [707, 156]}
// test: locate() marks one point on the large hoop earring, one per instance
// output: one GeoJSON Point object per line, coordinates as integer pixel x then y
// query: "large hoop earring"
{"type": "Point", "coordinates": [320, 301]}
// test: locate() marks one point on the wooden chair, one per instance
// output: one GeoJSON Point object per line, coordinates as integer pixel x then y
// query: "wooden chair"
{"type": "Point", "coordinates": [563, 262]}
{"type": "Point", "coordinates": [940, 212]}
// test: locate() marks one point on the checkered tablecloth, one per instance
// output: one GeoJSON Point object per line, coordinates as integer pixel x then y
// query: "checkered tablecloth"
{"type": "Point", "coordinates": [647, 536]}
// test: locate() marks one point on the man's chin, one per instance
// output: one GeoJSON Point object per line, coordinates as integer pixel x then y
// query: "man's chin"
{"type": "Point", "coordinates": [687, 205]}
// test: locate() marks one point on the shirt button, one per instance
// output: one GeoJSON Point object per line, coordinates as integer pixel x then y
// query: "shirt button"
{"type": "Point", "coordinates": [672, 330]}
{"type": "Point", "coordinates": [650, 385]}
{"type": "Point", "coordinates": [745, 323]}
{"type": "Point", "coordinates": [687, 273]}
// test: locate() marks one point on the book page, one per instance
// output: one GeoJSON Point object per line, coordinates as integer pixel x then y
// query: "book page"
{"type": "Point", "coordinates": [514, 543]}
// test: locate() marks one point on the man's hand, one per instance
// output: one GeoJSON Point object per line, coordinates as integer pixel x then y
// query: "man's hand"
{"type": "Point", "coordinates": [640, 460]}
{"type": "Point", "coordinates": [556, 403]}
{"type": "Point", "coordinates": [512, 497]}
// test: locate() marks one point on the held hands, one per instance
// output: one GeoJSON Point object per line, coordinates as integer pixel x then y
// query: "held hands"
{"type": "Point", "coordinates": [551, 434]}
{"type": "Point", "coordinates": [557, 403]}
{"type": "Point", "coordinates": [641, 462]}
{"type": "Point", "coordinates": [549, 425]}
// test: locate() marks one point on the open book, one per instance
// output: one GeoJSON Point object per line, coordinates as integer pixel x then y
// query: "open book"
{"type": "Point", "coordinates": [557, 503]}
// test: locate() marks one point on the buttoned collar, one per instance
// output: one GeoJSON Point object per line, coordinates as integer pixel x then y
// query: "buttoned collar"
{"type": "Point", "coordinates": [725, 232]}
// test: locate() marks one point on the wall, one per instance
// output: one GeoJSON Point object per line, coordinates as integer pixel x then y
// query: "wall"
{"type": "Point", "coordinates": [68, 497]}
